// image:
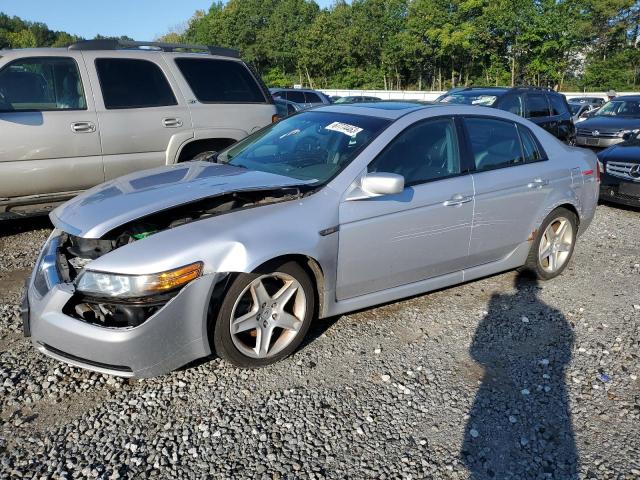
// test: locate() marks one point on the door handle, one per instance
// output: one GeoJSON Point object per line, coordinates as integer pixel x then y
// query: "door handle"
{"type": "Point", "coordinates": [171, 122]}
{"type": "Point", "coordinates": [457, 200]}
{"type": "Point", "coordinates": [538, 183]}
{"type": "Point", "coordinates": [83, 127]}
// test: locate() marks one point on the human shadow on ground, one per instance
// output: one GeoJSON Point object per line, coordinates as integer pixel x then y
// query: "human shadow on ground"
{"type": "Point", "coordinates": [520, 423]}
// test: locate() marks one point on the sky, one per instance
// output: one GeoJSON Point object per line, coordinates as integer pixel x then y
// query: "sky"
{"type": "Point", "coordinates": [138, 19]}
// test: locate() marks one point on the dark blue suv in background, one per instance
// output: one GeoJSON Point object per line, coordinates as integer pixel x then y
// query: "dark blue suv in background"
{"type": "Point", "coordinates": [544, 107]}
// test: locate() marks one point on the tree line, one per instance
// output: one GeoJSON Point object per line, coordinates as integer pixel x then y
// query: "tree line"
{"type": "Point", "coordinates": [412, 44]}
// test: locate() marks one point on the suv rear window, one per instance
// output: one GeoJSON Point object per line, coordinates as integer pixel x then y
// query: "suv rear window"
{"type": "Point", "coordinates": [558, 106]}
{"type": "Point", "coordinates": [131, 83]}
{"type": "Point", "coordinates": [297, 97]}
{"type": "Point", "coordinates": [220, 81]}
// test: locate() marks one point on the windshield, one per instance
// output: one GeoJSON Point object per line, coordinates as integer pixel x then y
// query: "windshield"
{"type": "Point", "coordinates": [620, 108]}
{"type": "Point", "coordinates": [469, 98]}
{"type": "Point", "coordinates": [310, 146]}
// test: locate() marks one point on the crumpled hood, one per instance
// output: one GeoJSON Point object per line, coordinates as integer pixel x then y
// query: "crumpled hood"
{"type": "Point", "coordinates": [114, 203]}
{"type": "Point", "coordinates": [610, 123]}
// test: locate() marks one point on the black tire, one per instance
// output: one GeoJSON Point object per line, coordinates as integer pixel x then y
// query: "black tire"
{"type": "Point", "coordinates": [220, 331]}
{"type": "Point", "coordinates": [533, 263]}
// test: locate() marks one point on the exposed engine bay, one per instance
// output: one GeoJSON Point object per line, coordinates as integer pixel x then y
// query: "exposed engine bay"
{"type": "Point", "coordinates": [75, 253]}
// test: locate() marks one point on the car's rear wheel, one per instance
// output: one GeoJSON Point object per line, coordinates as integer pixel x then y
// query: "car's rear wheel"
{"type": "Point", "coordinates": [264, 316]}
{"type": "Point", "coordinates": [554, 243]}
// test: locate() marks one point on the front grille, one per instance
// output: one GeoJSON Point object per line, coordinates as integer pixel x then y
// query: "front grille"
{"type": "Point", "coordinates": [622, 170]}
{"type": "Point", "coordinates": [585, 132]}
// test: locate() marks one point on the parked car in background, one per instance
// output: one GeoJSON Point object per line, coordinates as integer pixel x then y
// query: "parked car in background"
{"type": "Point", "coordinates": [580, 111]}
{"type": "Point", "coordinates": [303, 97]}
{"type": "Point", "coordinates": [328, 211]}
{"type": "Point", "coordinates": [596, 102]}
{"type": "Point", "coordinates": [73, 118]}
{"type": "Point", "coordinates": [542, 106]}
{"type": "Point", "coordinates": [609, 125]}
{"type": "Point", "coordinates": [620, 168]}
{"type": "Point", "coordinates": [357, 99]}
{"type": "Point", "coordinates": [285, 108]}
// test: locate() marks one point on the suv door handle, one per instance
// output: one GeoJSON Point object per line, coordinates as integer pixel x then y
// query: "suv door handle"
{"type": "Point", "coordinates": [171, 122]}
{"type": "Point", "coordinates": [538, 183]}
{"type": "Point", "coordinates": [83, 127]}
{"type": "Point", "coordinates": [457, 200]}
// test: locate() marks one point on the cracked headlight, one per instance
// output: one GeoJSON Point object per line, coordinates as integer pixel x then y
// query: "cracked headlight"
{"type": "Point", "coordinates": [104, 284]}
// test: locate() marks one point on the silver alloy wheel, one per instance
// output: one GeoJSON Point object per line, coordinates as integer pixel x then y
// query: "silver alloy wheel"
{"type": "Point", "coordinates": [267, 315]}
{"type": "Point", "coordinates": [555, 245]}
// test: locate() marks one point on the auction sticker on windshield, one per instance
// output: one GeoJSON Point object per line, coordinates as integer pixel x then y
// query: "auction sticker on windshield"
{"type": "Point", "coordinates": [350, 130]}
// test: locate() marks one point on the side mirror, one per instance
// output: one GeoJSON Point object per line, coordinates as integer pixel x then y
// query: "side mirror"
{"type": "Point", "coordinates": [381, 183]}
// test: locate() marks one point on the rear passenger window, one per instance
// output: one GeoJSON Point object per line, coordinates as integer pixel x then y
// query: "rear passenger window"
{"type": "Point", "coordinates": [297, 97]}
{"type": "Point", "coordinates": [130, 83]}
{"type": "Point", "coordinates": [531, 150]}
{"type": "Point", "coordinates": [558, 106]}
{"type": "Point", "coordinates": [513, 104]}
{"type": "Point", "coordinates": [537, 105]}
{"type": "Point", "coordinates": [312, 97]}
{"type": "Point", "coordinates": [423, 152]}
{"type": "Point", "coordinates": [494, 143]}
{"type": "Point", "coordinates": [220, 81]}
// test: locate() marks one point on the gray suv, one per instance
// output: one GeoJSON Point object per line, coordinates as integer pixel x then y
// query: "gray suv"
{"type": "Point", "coordinates": [72, 118]}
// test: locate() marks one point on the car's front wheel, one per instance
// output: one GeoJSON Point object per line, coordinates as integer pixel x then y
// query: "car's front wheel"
{"type": "Point", "coordinates": [264, 315]}
{"type": "Point", "coordinates": [553, 245]}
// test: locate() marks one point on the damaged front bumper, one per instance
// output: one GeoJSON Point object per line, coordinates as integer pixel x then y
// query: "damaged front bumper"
{"type": "Point", "coordinates": [173, 336]}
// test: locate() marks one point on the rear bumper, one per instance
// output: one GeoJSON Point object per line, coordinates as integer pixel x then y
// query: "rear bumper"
{"type": "Point", "coordinates": [174, 336]}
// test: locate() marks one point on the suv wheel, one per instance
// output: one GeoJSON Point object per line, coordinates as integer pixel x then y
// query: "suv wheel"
{"type": "Point", "coordinates": [264, 316]}
{"type": "Point", "coordinates": [554, 243]}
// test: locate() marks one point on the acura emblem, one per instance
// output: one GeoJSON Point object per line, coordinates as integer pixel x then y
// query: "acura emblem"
{"type": "Point", "coordinates": [635, 171]}
{"type": "Point", "coordinates": [595, 133]}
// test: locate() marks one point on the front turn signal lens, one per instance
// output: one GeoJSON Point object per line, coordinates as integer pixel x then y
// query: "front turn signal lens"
{"type": "Point", "coordinates": [132, 286]}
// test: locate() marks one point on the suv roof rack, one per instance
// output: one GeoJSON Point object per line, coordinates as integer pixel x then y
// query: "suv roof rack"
{"type": "Point", "coordinates": [116, 44]}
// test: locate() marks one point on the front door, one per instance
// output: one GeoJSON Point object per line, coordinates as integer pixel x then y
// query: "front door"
{"type": "Point", "coordinates": [423, 232]}
{"type": "Point", "coordinates": [49, 138]}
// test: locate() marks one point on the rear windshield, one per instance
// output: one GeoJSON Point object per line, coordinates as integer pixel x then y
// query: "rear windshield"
{"type": "Point", "coordinates": [310, 146]}
{"type": "Point", "coordinates": [220, 81]}
{"type": "Point", "coordinates": [470, 98]}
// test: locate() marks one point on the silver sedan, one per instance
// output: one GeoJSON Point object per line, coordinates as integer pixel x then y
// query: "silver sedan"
{"type": "Point", "coordinates": [328, 211]}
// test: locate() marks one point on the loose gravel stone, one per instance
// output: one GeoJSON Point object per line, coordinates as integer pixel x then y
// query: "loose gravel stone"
{"type": "Point", "coordinates": [429, 387]}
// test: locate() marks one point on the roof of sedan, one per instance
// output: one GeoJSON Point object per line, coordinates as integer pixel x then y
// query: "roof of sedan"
{"type": "Point", "coordinates": [385, 109]}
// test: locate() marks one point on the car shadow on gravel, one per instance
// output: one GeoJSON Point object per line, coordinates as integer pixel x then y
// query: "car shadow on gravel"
{"type": "Point", "coordinates": [22, 225]}
{"type": "Point", "coordinates": [520, 423]}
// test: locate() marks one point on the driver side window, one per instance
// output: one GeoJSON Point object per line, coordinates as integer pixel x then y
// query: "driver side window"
{"type": "Point", "coordinates": [423, 152]}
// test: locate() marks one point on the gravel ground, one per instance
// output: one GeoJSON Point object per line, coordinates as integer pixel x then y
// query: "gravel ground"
{"type": "Point", "coordinates": [498, 378]}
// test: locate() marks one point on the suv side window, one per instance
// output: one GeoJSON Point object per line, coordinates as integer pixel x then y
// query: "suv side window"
{"type": "Point", "coordinates": [425, 151]}
{"type": "Point", "coordinates": [220, 81]}
{"type": "Point", "coordinates": [494, 143]}
{"type": "Point", "coordinates": [132, 83]}
{"type": "Point", "coordinates": [312, 97]}
{"type": "Point", "coordinates": [294, 96]}
{"type": "Point", "coordinates": [558, 106]}
{"type": "Point", "coordinates": [513, 104]}
{"type": "Point", "coordinates": [530, 147]}
{"type": "Point", "coordinates": [41, 84]}
{"type": "Point", "coordinates": [537, 105]}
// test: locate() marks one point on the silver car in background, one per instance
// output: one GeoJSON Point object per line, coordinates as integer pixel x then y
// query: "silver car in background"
{"type": "Point", "coordinates": [325, 212]}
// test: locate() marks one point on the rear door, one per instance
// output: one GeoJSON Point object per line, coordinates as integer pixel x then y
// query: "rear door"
{"type": "Point", "coordinates": [49, 138]}
{"type": "Point", "coordinates": [538, 111]}
{"type": "Point", "coordinates": [512, 179]}
{"type": "Point", "coordinates": [140, 109]}
{"type": "Point", "coordinates": [562, 116]}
